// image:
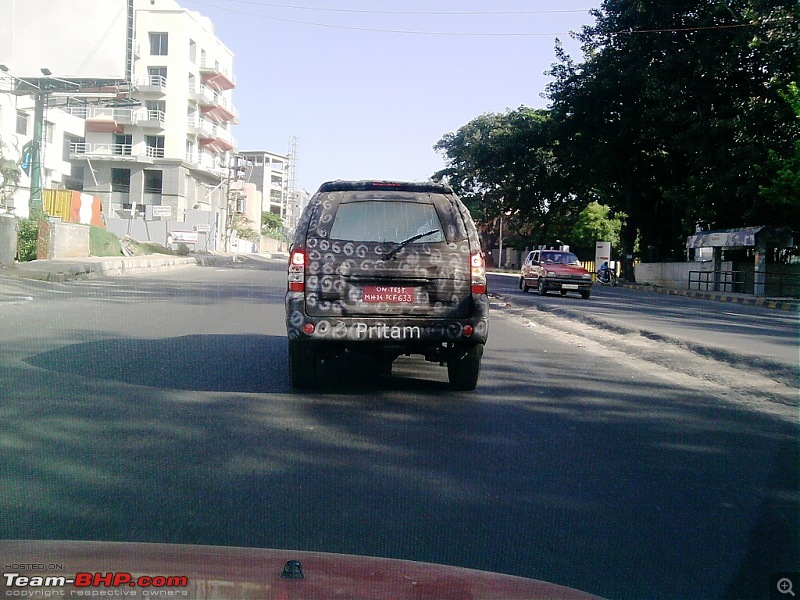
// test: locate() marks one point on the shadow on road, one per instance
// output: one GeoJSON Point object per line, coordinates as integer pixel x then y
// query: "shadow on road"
{"type": "Point", "coordinates": [202, 363]}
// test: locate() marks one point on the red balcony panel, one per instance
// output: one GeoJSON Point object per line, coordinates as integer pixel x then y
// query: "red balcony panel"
{"type": "Point", "coordinates": [218, 114]}
{"type": "Point", "coordinates": [218, 81]}
{"type": "Point", "coordinates": [103, 126]}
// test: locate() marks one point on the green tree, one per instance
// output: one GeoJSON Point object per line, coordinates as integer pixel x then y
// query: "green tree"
{"type": "Point", "coordinates": [674, 109]}
{"type": "Point", "coordinates": [271, 224]}
{"type": "Point", "coordinates": [505, 164]}
{"type": "Point", "coordinates": [595, 223]}
{"type": "Point", "coordinates": [243, 227]}
{"type": "Point", "coordinates": [781, 196]}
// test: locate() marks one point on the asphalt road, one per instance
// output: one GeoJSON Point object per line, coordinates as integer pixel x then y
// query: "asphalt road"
{"type": "Point", "coordinates": [158, 409]}
{"type": "Point", "coordinates": [749, 336]}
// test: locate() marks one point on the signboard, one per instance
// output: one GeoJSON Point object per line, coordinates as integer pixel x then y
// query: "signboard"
{"type": "Point", "coordinates": [602, 253]}
{"type": "Point", "coordinates": [75, 39]}
{"type": "Point", "coordinates": [182, 237]}
{"type": "Point", "coordinates": [162, 211]}
{"type": "Point", "coordinates": [202, 228]}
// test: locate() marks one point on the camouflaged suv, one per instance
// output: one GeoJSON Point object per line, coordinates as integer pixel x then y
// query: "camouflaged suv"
{"type": "Point", "coordinates": [383, 269]}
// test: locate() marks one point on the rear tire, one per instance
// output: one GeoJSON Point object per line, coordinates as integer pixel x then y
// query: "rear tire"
{"type": "Point", "coordinates": [302, 365]}
{"type": "Point", "coordinates": [464, 368]}
{"type": "Point", "coordinates": [523, 286]}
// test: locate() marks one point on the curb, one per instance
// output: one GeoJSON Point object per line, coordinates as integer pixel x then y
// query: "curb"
{"type": "Point", "coordinates": [777, 304]}
{"type": "Point", "coordinates": [788, 304]}
{"type": "Point", "coordinates": [66, 269]}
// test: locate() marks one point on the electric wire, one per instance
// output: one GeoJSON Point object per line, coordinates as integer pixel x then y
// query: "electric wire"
{"type": "Point", "coordinates": [451, 33]}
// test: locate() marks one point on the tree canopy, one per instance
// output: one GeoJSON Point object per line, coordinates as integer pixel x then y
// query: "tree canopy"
{"type": "Point", "coordinates": [681, 113]}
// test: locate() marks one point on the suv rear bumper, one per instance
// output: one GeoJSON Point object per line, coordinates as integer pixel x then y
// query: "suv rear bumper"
{"type": "Point", "coordinates": [401, 331]}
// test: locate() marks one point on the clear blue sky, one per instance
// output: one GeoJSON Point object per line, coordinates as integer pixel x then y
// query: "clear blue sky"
{"type": "Point", "coordinates": [366, 103]}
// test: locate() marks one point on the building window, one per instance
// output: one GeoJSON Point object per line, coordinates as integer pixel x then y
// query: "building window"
{"type": "Point", "coordinates": [121, 180]}
{"type": "Point", "coordinates": [123, 144]}
{"type": "Point", "coordinates": [192, 51]}
{"type": "Point", "coordinates": [49, 132]}
{"type": "Point", "coordinates": [155, 146]}
{"type": "Point", "coordinates": [74, 181]}
{"type": "Point", "coordinates": [152, 181]}
{"type": "Point", "coordinates": [158, 44]}
{"type": "Point", "coordinates": [22, 122]}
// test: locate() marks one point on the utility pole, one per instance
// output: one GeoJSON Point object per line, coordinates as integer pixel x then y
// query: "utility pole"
{"type": "Point", "coordinates": [35, 200]}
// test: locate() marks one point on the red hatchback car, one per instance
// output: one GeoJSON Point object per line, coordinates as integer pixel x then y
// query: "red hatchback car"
{"type": "Point", "coordinates": [548, 270]}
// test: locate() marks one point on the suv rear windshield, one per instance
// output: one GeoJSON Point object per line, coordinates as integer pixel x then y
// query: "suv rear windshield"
{"type": "Point", "coordinates": [386, 221]}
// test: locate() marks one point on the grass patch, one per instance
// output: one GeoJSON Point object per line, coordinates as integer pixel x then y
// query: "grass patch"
{"type": "Point", "coordinates": [103, 243]}
{"type": "Point", "coordinates": [151, 248]}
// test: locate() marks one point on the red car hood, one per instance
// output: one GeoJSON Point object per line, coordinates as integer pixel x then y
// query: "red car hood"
{"type": "Point", "coordinates": [217, 572]}
{"type": "Point", "coordinates": [565, 269]}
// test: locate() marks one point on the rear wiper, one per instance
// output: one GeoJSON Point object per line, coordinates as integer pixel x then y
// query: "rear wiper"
{"type": "Point", "coordinates": [405, 243]}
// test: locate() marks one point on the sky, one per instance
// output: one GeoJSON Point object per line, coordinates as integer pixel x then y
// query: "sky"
{"type": "Point", "coordinates": [368, 87]}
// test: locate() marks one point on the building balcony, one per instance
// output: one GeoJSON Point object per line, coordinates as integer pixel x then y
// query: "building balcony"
{"type": "Point", "coordinates": [152, 119]}
{"type": "Point", "coordinates": [217, 77]}
{"type": "Point", "coordinates": [214, 138]}
{"type": "Point", "coordinates": [153, 152]}
{"type": "Point", "coordinates": [206, 162]}
{"type": "Point", "coordinates": [113, 152]}
{"type": "Point", "coordinates": [151, 85]}
{"type": "Point", "coordinates": [100, 119]}
{"type": "Point", "coordinates": [213, 104]}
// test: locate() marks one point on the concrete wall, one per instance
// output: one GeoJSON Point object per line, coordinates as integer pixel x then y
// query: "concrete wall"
{"type": "Point", "coordinates": [62, 240]}
{"type": "Point", "coordinates": [270, 245]}
{"type": "Point", "coordinates": [8, 240]}
{"type": "Point", "coordinates": [672, 275]}
{"type": "Point", "coordinates": [184, 232]}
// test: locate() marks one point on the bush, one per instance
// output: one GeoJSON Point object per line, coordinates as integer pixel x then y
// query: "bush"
{"type": "Point", "coordinates": [27, 235]}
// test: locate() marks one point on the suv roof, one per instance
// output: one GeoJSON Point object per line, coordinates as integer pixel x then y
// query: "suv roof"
{"type": "Point", "coordinates": [341, 185]}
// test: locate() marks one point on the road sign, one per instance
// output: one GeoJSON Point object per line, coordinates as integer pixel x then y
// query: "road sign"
{"type": "Point", "coordinates": [162, 211]}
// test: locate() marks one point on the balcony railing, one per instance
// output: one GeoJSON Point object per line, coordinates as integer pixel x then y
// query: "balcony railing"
{"type": "Point", "coordinates": [210, 98]}
{"type": "Point", "coordinates": [214, 67]}
{"type": "Point", "coordinates": [154, 152]}
{"type": "Point", "coordinates": [152, 81]}
{"type": "Point", "coordinates": [84, 149]}
{"type": "Point", "coordinates": [152, 117]}
{"type": "Point", "coordinates": [120, 115]}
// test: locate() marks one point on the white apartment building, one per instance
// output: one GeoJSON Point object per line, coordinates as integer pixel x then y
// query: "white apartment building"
{"type": "Point", "coordinates": [171, 145]}
{"type": "Point", "coordinates": [60, 130]}
{"type": "Point", "coordinates": [270, 174]}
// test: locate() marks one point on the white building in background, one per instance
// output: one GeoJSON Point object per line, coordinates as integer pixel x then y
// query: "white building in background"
{"type": "Point", "coordinates": [270, 174]}
{"type": "Point", "coordinates": [16, 130]}
{"type": "Point", "coordinates": [171, 145]}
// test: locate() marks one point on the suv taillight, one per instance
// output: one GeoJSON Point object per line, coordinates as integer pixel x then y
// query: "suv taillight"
{"type": "Point", "coordinates": [478, 270]}
{"type": "Point", "coordinates": [297, 274]}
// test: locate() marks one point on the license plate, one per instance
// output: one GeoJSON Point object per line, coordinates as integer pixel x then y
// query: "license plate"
{"type": "Point", "coordinates": [569, 286]}
{"type": "Point", "coordinates": [388, 294]}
